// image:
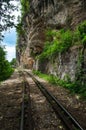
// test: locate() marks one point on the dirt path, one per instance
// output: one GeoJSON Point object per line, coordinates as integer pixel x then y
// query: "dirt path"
{"type": "Point", "coordinates": [10, 100]}
{"type": "Point", "coordinates": [72, 103]}
{"type": "Point", "coordinates": [43, 115]}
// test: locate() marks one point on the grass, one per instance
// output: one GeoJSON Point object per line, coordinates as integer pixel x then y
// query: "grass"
{"type": "Point", "coordinates": [74, 87]}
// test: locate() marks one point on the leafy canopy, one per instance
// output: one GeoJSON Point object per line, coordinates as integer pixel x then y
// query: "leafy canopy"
{"type": "Point", "coordinates": [6, 17]}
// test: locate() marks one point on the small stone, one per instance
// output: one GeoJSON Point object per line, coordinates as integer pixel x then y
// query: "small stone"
{"type": "Point", "coordinates": [1, 117]}
{"type": "Point", "coordinates": [77, 97]}
{"type": "Point", "coordinates": [61, 127]}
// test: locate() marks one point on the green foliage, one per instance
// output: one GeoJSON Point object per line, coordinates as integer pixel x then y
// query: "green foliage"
{"type": "Point", "coordinates": [76, 40]}
{"type": "Point", "coordinates": [66, 40]}
{"type": "Point", "coordinates": [60, 41]}
{"type": "Point", "coordinates": [20, 30]}
{"type": "Point", "coordinates": [24, 10]}
{"type": "Point", "coordinates": [6, 17]}
{"type": "Point", "coordinates": [24, 6]}
{"type": "Point", "coordinates": [13, 62]}
{"type": "Point", "coordinates": [52, 79]}
{"type": "Point", "coordinates": [5, 67]}
{"type": "Point", "coordinates": [82, 29]}
{"type": "Point", "coordinates": [2, 54]}
{"type": "Point", "coordinates": [84, 40]}
{"type": "Point", "coordinates": [74, 87]}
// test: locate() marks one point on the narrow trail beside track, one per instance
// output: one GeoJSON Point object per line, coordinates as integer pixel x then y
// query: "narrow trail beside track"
{"type": "Point", "coordinates": [10, 100]}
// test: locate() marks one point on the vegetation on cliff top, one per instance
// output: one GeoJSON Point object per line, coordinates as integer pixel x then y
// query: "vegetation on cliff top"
{"type": "Point", "coordinates": [24, 7]}
{"type": "Point", "coordinates": [24, 10]}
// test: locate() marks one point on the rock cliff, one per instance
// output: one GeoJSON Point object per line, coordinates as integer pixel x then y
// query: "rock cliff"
{"type": "Point", "coordinates": [54, 14]}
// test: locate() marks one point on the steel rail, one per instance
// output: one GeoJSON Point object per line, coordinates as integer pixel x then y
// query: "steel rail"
{"type": "Point", "coordinates": [30, 120]}
{"type": "Point", "coordinates": [22, 110]}
{"type": "Point", "coordinates": [70, 122]}
{"type": "Point", "coordinates": [26, 108]}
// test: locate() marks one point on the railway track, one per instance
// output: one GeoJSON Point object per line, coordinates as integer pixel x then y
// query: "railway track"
{"type": "Point", "coordinates": [26, 121]}
{"type": "Point", "coordinates": [68, 120]}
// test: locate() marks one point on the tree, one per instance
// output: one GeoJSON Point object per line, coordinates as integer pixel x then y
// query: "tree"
{"type": "Point", "coordinates": [5, 67]}
{"type": "Point", "coordinates": [13, 62]}
{"type": "Point", "coordinates": [6, 17]}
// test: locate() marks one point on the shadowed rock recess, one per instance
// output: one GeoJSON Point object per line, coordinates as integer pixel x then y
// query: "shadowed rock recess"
{"type": "Point", "coordinates": [55, 15]}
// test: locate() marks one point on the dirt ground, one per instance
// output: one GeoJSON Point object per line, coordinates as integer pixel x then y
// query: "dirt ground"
{"type": "Point", "coordinates": [75, 105]}
{"type": "Point", "coordinates": [10, 102]}
{"type": "Point", "coordinates": [43, 115]}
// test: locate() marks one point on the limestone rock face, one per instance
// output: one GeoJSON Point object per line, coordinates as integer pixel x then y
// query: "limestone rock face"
{"type": "Point", "coordinates": [57, 15]}
{"type": "Point", "coordinates": [64, 66]}
{"type": "Point", "coordinates": [33, 43]}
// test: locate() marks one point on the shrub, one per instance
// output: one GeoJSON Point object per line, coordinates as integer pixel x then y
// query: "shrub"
{"type": "Point", "coordinates": [66, 41]}
{"type": "Point", "coordinates": [13, 62]}
{"type": "Point", "coordinates": [5, 67]}
{"type": "Point", "coordinates": [76, 38]}
{"type": "Point", "coordinates": [84, 41]}
{"type": "Point", "coordinates": [24, 6]}
{"type": "Point", "coordinates": [74, 87]}
{"type": "Point", "coordinates": [82, 29]}
{"type": "Point", "coordinates": [59, 43]}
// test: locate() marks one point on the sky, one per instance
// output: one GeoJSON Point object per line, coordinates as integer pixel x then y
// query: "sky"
{"type": "Point", "coordinates": [10, 43]}
{"type": "Point", "coordinates": [10, 37]}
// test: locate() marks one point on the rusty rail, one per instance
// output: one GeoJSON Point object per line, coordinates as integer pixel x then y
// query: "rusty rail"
{"type": "Point", "coordinates": [26, 109]}
{"type": "Point", "coordinates": [22, 109]}
{"type": "Point", "coordinates": [70, 122]}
